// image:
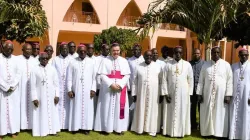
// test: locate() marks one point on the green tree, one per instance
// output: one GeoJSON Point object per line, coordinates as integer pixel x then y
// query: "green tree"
{"type": "Point", "coordinates": [206, 18]}
{"type": "Point", "coordinates": [239, 31]}
{"type": "Point", "coordinates": [125, 37]}
{"type": "Point", "coordinates": [22, 19]}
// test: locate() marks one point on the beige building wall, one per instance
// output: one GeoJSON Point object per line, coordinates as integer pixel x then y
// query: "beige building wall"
{"type": "Point", "coordinates": [68, 22]}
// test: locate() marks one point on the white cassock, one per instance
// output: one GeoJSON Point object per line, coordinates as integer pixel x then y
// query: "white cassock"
{"type": "Point", "coordinates": [240, 109]}
{"type": "Point", "coordinates": [112, 113]}
{"type": "Point", "coordinates": [26, 66]}
{"type": "Point", "coordinates": [165, 60]}
{"type": "Point", "coordinates": [214, 113]}
{"type": "Point", "coordinates": [81, 78]}
{"type": "Point", "coordinates": [36, 59]}
{"type": "Point", "coordinates": [162, 108]}
{"type": "Point", "coordinates": [44, 88]}
{"type": "Point", "coordinates": [98, 61]}
{"type": "Point", "coordinates": [145, 87]}
{"type": "Point", "coordinates": [9, 102]}
{"type": "Point", "coordinates": [177, 83]}
{"type": "Point", "coordinates": [133, 62]}
{"type": "Point", "coordinates": [161, 63]}
{"type": "Point", "coordinates": [75, 55]}
{"type": "Point", "coordinates": [61, 64]}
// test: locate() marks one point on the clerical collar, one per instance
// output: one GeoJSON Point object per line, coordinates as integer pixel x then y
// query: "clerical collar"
{"type": "Point", "coordinates": [104, 56]}
{"type": "Point", "coordinates": [26, 57]}
{"type": "Point", "coordinates": [178, 61]}
{"type": "Point", "coordinates": [243, 63]}
{"type": "Point", "coordinates": [43, 66]}
{"type": "Point", "coordinates": [7, 57]}
{"type": "Point", "coordinates": [216, 61]}
{"type": "Point", "coordinates": [63, 57]}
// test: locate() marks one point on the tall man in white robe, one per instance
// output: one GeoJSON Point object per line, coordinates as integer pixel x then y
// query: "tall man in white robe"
{"type": "Point", "coordinates": [214, 91]}
{"type": "Point", "coordinates": [156, 59]}
{"type": "Point", "coordinates": [90, 51]}
{"type": "Point", "coordinates": [81, 87]}
{"type": "Point", "coordinates": [72, 50]}
{"type": "Point", "coordinates": [45, 97]}
{"type": "Point", "coordinates": [35, 52]}
{"type": "Point", "coordinates": [9, 96]}
{"type": "Point", "coordinates": [240, 104]}
{"type": "Point", "coordinates": [104, 53]}
{"type": "Point", "coordinates": [177, 85]}
{"type": "Point", "coordinates": [164, 54]}
{"type": "Point", "coordinates": [112, 109]}
{"type": "Point", "coordinates": [61, 64]}
{"type": "Point", "coordinates": [26, 64]}
{"type": "Point", "coordinates": [146, 83]}
{"type": "Point", "coordinates": [162, 64]}
{"type": "Point", "coordinates": [133, 61]}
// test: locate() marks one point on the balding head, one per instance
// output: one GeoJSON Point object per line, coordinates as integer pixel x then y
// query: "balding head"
{"type": "Point", "coordinates": [147, 56]}
{"type": "Point", "coordinates": [27, 50]}
{"type": "Point", "coordinates": [7, 48]}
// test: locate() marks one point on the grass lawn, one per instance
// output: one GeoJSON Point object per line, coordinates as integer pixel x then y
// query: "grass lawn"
{"type": "Point", "coordinates": [97, 136]}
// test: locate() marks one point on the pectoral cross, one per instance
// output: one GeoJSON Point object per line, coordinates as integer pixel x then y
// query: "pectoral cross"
{"type": "Point", "coordinates": [176, 71]}
{"type": "Point", "coordinates": [241, 78]}
{"type": "Point", "coordinates": [81, 79]}
{"type": "Point", "coordinates": [43, 81]}
{"type": "Point", "coordinates": [63, 77]}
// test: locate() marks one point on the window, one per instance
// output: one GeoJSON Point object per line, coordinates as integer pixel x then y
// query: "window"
{"type": "Point", "coordinates": [87, 7]}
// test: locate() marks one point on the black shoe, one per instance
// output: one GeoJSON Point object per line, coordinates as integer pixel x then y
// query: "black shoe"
{"type": "Point", "coordinates": [104, 133]}
{"type": "Point", "coordinates": [86, 132]}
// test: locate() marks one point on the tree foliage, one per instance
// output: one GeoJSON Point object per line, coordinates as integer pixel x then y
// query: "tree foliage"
{"type": "Point", "coordinates": [22, 19]}
{"type": "Point", "coordinates": [239, 31]}
{"type": "Point", "coordinates": [125, 37]}
{"type": "Point", "coordinates": [207, 18]}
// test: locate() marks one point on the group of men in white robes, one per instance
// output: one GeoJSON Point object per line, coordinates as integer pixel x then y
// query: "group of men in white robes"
{"type": "Point", "coordinates": [83, 92]}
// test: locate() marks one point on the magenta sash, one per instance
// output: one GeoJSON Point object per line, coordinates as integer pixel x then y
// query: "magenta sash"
{"type": "Point", "coordinates": [117, 75]}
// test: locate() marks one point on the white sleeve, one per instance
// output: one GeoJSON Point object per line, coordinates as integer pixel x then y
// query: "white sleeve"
{"type": "Point", "coordinates": [190, 79]}
{"type": "Point", "coordinates": [69, 77]}
{"type": "Point", "coordinates": [229, 86]}
{"type": "Point", "coordinates": [134, 81]}
{"type": "Point", "coordinates": [56, 83]}
{"type": "Point", "coordinates": [33, 86]}
{"type": "Point", "coordinates": [164, 81]}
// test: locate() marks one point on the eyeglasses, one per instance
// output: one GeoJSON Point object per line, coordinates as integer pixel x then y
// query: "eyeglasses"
{"type": "Point", "coordinates": [36, 48]}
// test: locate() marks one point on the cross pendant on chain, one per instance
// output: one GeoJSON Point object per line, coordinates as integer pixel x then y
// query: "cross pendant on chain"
{"type": "Point", "coordinates": [177, 71]}
{"type": "Point", "coordinates": [43, 81]}
{"type": "Point", "coordinates": [81, 79]}
{"type": "Point", "coordinates": [241, 78]}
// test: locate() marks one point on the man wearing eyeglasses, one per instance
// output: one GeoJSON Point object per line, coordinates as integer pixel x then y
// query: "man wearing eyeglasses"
{"type": "Point", "coordinates": [72, 50]}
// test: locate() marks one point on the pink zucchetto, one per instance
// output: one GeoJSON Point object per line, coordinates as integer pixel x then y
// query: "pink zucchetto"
{"type": "Point", "coordinates": [243, 49]}
{"type": "Point", "coordinates": [81, 46]}
{"type": "Point", "coordinates": [8, 42]}
{"type": "Point", "coordinates": [64, 43]}
{"type": "Point", "coordinates": [41, 53]}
